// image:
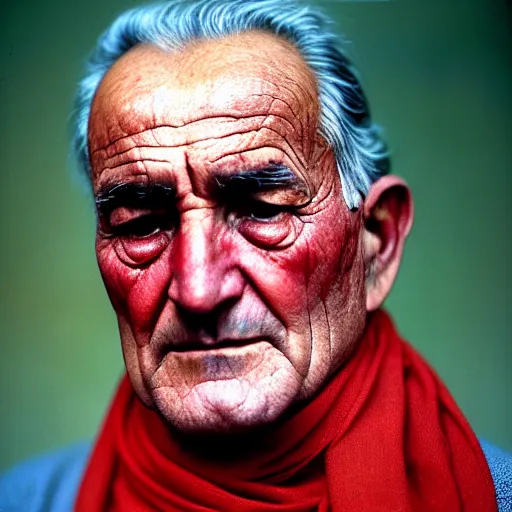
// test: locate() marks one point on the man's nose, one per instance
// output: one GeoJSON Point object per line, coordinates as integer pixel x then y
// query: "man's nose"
{"type": "Point", "coordinates": [204, 273]}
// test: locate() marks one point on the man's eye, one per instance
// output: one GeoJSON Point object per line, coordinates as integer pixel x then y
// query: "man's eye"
{"type": "Point", "coordinates": [263, 212]}
{"type": "Point", "coordinates": [144, 226]}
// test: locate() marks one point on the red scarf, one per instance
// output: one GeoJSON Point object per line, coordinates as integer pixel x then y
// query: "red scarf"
{"type": "Point", "coordinates": [384, 435]}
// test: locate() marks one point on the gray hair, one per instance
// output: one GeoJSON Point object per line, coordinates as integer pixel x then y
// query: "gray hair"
{"type": "Point", "coordinates": [345, 123]}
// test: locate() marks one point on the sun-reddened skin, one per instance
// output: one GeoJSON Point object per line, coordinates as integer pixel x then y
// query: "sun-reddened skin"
{"type": "Point", "coordinates": [236, 270]}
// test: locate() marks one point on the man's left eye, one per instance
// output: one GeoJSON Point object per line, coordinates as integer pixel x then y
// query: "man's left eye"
{"type": "Point", "coordinates": [263, 212]}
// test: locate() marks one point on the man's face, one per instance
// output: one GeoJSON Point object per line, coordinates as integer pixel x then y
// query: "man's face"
{"type": "Point", "coordinates": [233, 264]}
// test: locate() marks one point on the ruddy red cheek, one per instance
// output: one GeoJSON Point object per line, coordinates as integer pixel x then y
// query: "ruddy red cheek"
{"type": "Point", "coordinates": [136, 252]}
{"type": "Point", "coordinates": [135, 273]}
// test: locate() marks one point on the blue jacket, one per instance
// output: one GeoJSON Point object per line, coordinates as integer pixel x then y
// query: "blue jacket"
{"type": "Point", "coordinates": [50, 483]}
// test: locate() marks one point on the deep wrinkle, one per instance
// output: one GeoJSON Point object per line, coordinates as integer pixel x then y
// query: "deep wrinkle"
{"type": "Point", "coordinates": [281, 275]}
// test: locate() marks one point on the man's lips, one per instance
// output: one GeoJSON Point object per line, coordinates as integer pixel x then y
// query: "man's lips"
{"type": "Point", "coordinates": [209, 345]}
{"type": "Point", "coordinates": [197, 362]}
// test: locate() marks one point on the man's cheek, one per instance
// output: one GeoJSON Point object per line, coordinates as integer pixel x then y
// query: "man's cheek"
{"type": "Point", "coordinates": [138, 294]}
{"type": "Point", "coordinates": [279, 277]}
{"type": "Point", "coordinates": [332, 247]}
{"type": "Point", "coordinates": [117, 277]}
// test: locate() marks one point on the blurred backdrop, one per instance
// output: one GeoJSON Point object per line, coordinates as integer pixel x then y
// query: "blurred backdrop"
{"type": "Point", "coordinates": [439, 78]}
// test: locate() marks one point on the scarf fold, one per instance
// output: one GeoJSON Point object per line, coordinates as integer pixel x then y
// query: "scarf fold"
{"type": "Point", "coordinates": [384, 435]}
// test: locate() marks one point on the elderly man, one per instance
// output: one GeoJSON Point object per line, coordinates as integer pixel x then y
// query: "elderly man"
{"type": "Point", "coordinates": [248, 233]}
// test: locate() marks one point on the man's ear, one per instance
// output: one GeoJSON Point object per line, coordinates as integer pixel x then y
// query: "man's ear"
{"type": "Point", "coordinates": [388, 213]}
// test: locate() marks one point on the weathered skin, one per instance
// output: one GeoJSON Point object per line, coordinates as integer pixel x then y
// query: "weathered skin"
{"type": "Point", "coordinates": [227, 315]}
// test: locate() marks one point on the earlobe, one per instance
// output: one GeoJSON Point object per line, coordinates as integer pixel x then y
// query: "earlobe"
{"type": "Point", "coordinates": [388, 216]}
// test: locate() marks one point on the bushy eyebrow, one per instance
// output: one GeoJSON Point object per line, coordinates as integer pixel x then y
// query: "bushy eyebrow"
{"type": "Point", "coordinates": [155, 196]}
{"type": "Point", "coordinates": [257, 180]}
{"type": "Point", "coordinates": [134, 195]}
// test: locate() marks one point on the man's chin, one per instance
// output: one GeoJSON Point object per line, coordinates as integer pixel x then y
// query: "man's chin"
{"type": "Point", "coordinates": [225, 406]}
{"type": "Point", "coordinates": [224, 390]}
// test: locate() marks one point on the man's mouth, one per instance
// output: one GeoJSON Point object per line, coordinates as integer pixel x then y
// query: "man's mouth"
{"type": "Point", "coordinates": [213, 345]}
{"type": "Point", "coordinates": [194, 363]}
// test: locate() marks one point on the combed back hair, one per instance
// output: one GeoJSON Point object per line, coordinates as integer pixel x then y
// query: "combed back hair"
{"type": "Point", "coordinates": [344, 123]}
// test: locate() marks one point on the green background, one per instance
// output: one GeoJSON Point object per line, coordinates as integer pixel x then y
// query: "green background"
{"type": "Point", "coordinates": [439, 78]}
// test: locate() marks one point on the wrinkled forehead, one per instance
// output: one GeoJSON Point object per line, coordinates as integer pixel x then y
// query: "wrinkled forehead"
{"type": "Point", "coordinates": [232, 76]}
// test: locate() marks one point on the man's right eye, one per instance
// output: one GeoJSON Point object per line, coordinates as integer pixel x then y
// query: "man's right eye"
{"type": "Point", "coordinates": [144, 226]}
